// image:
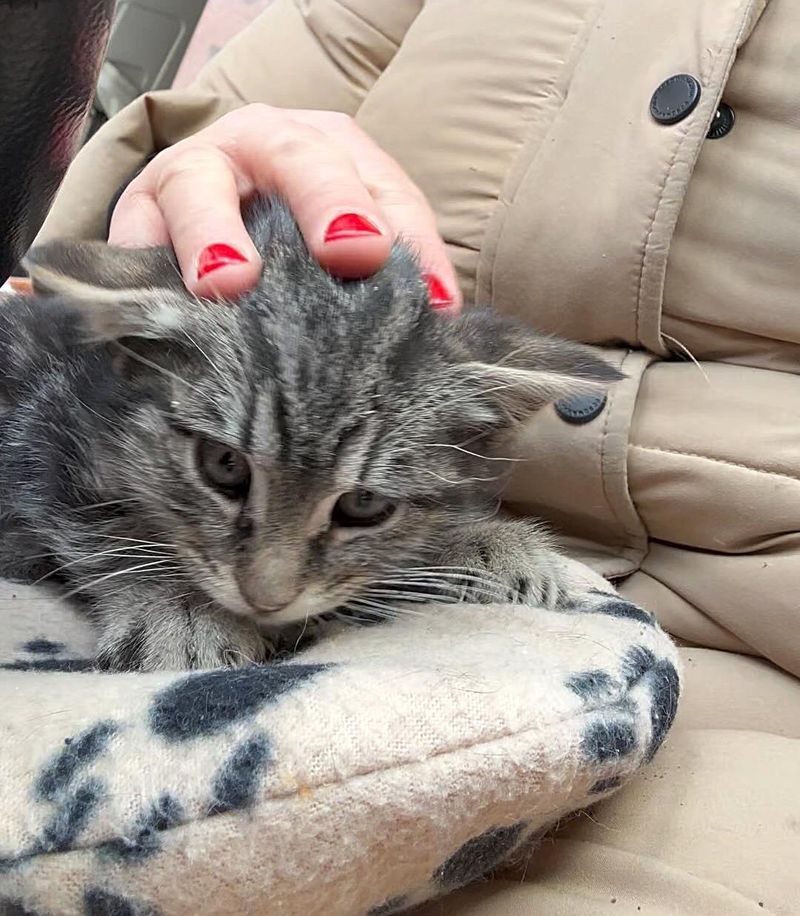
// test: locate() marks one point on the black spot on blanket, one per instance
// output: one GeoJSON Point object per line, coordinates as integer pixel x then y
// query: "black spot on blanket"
{"type": "Point", "coordinates": [70, 818]}
{"type": "Point", "coordinates": [617, 607]}
{"type": "Point", "coordinates": [78, 752]}
{"type": "Point", "coordinates": [50, 664]}
{"type": "Point", "coordinates": [42, 646]}
{"type": "Point", "coordinates": [637, 662]}
{"type": "Point", "coordinates": [236, 782]}
{"type": "Point", "coordinates": [390, 907]}
{"type": "Point", "coordinates": [144, 838]}
{"type": "Point", "coordinates": [640, 664]}
{"type": "Point", "coordinates": [607, 740]}
{"type": "Point", "coordinates": [99, 902]}
{"type": "Point", "coordinates": [606, 785]}
{"type": "Point", "coordinates": [205, 703]}
{"type": "Point", "coordinates": [16, 908]}
{"type": "Point", "coordinates": [590, 684]}
{"type": "Point", "coordinates": [479, 855]}
{"type": "Point", "coordinates": [665, 688]}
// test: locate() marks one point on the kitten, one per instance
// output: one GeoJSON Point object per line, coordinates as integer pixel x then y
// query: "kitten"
{"type": "Point", "coordinates": [202, 473]}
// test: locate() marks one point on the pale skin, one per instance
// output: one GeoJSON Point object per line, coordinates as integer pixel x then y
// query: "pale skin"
{"type": "Point", "coordinates": [350, 198]}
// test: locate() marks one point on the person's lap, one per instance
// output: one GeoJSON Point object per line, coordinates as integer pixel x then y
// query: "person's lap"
{"type": "Point", "coordinates": [711, 827]}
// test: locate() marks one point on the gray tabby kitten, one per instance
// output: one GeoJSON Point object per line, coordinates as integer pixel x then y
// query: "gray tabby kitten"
{"type": "Point", "coordinates": [202, 473]}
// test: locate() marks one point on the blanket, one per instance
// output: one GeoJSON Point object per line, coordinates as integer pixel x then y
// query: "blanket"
{"type": "Point", "coordinates": [375, 768]}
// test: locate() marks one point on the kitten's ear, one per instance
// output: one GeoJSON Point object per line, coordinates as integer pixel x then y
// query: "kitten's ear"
{"type": "Point", "coordinates": [68, 268]}
{"type": "Point", "coordinates": [121, 292]}
{"type": "Point", "coordinates": [520, 371]}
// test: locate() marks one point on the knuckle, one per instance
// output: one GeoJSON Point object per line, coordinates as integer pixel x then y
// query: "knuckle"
{"type": "Point", "coordinates": [290, 139]}
{"type": "Point", "coordinates": [133, 197]}
{"type": "Point", "coordinates": [404, 196]}
{"type": "Point", "coordinates": [186, 163]}
{"type": "Point", "coordinates": [253, 112]}
{"type": "Point", "coordinates": [335, 120]}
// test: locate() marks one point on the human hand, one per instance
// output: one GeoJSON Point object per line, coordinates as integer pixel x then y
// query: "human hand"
{"type": "Point", "coordinates": [350, 199]}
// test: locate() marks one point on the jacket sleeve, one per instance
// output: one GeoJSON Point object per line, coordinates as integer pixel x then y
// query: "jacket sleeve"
{"type": "Point", "coordinates": [322, 54]}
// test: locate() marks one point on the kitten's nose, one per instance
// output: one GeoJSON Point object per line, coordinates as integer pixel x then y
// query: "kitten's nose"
{"type": "Point", "coordinates": [272, 577]}
{"type": "Point", "coordinates": [268, 601]}
{"type": "Point", "coordinates": [267, 594]}
{"type": "Point", "coordinates": [267, 609]}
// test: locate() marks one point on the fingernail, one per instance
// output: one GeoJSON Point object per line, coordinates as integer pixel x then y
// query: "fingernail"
{"type": "Point", "coordinates": [350, 226]}
{"type": "Point", "coordinates": [216, 256]}
{"type": "Point", "coordinates": [438, 295]}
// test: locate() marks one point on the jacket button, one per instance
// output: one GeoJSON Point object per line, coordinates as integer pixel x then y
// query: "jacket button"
{"type": "Point", "coordinates": [722, 123]}
{"type": "Point", "coordinates": [675, 98]}
{"type": "Point", "coordinates": [581, 409]}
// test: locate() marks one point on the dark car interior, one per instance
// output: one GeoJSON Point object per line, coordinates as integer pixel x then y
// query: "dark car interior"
{"type": "Point", "coordinates": [67, 66]}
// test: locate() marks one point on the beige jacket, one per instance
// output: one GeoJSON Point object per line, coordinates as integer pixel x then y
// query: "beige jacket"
{"type": "Point", "coordinates": [566, 202]}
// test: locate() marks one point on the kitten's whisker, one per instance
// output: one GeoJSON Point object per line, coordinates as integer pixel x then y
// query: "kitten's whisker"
{"type": "Point", "coordinates": [435, 590]}
{"type": "Point", "coordinates": [372, 612]}
{"type": "Point", "coordinates": [110, 502]}
{"type": "Point", "coordinates": [450, 592]}
{"type": "Point", "coordinates": [109, 421]}
{"type": "Point", "coordinates": [176, 378]}
{"type": "Point", "coordinates": [417, 597]}
{"type": "Point", "coordinates": [440, 579]}
{"type": "Point", "coordinates": [119, 537]}
{"type": "Point", "coordinates": [453, 572]}
{"type": "Point", "coordinates": [457, 483]}
{"type": "Point", "coordinates": [111, 552]}
{"type": "Point", "coordinates": [110, 593]}
{"type": "Point", "coordinates": [120, 572]}
{"type": "Point", "coordinates": [459, 448]}
{"type": "Point", "coordinates": [349, 618]}
{"type": "Point", "coordinates": [386, 608]}
{"type": "Point", "coordinates": [223, 377]}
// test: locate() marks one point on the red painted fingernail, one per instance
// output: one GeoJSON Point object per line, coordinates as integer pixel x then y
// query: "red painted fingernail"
{"type": "Point", "coordinates": [437, 293]}
{"type": "Point", "coordinates": [216, 256]}
{"type": "Point", "coordinates": [350, 226]}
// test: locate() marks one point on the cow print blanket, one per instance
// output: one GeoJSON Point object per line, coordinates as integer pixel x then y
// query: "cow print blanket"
{"type": "Point", "coordinates": [377, 768]}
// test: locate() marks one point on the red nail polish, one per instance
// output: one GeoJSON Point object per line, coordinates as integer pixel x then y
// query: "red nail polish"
{"type": "Point", "coordinates": [350, 226]}
{"type": "Point", "coordinates": [437, 292]}
{"type": "Point", "coordinates": [215, 256]}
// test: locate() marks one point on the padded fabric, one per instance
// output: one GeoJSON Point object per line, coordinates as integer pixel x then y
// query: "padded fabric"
{"type": "Point", "coordinates": [382, 766]}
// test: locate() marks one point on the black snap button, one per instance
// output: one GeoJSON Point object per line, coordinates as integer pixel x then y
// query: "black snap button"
{"type": "Point", "coordinates": [722, 123]}
{"type": "Point", "coordinates": [581, 409]}
{"type": "Point", "coordinates": [675, 98]}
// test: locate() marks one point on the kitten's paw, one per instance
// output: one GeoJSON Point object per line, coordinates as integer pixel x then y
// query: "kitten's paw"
{"type": "Point", "coordinates": [179, 641]}
{"type": "Point", "coordinates": [510, 562]}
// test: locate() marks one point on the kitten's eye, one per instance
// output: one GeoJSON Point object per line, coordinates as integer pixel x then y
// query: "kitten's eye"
{"type": "Point", "coordinates": [361, 509]}
{"type": "Point", "coordinates": [224, 468]}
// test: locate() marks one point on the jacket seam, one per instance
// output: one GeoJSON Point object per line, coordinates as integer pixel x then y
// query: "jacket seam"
{"type": "Point", "coordinates": [715, 79]}
{"type": "Point", "coordinates": [579, 43]}
{"type": "Point", "coordinates": [723, 461]}
{"type": "Point", "coordinates": [637, 305]}
{"type": "Point", "coordinates": [325, 50]}
{"type": "Point", "coordinates": [635, 537]}
{"type": "Point", "coordinates": [366, 22]}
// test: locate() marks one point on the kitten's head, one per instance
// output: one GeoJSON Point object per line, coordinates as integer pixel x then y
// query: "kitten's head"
{"type": "Point", "coordinates": [315, 437]}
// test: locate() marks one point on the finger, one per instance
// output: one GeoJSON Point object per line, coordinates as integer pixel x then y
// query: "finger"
{"type": "Point", "coordinates": [195, 190]}
{"type": "Point", "coordinates": [137, 221]}
{"type": "Point", "coordinates": [340, 221]}
{"type": "Point", "coordinates": [400, 201]}
{"type": "Point", "coordinates": [418, 230]}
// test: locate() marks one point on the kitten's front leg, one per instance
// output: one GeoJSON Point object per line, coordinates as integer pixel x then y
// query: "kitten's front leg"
{"type": "Point", "coordinates": [510, 561]}
{"type": "Point", "coordinates": [156, 631]}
